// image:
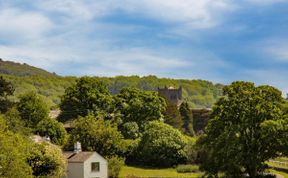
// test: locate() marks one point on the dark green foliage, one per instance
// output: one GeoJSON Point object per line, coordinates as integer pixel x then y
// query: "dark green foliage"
{"type": "Point", "coordinates": [187, 118]}
{"type": "Point", "coordinates": [246, 129]}
{"type": "Point", "coordinates": [6, 89]}
{"type": "Point", "coordinates": [98, 135]}
{"type": "Point", "coordinates": [139, 106]}
{"type": "Point", "coordinates": [32, 109]}
{"type": "Point", "coordinates": [161, 145]}
{"type": "Point", "coordinates": [88, 96]}
{"type": "Point", "coordinates": [187, 168]}
{"type": "Point", "coordinates": [200, 120]}
{"type": "Point", "coordinates": [52, 128]}
{"type": "Point", "coordinates": [172, 116]}
{"type": "Point", "coordinates": [114, 166]}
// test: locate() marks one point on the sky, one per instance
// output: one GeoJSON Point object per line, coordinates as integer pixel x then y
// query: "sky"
{"type": "Point", "coordinates": [216, 40]}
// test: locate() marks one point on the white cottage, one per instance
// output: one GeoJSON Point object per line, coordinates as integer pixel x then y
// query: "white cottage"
{"type": "Point", "coordinates": [86, 165]}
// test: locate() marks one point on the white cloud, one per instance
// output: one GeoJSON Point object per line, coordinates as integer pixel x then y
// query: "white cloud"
{"type": "Point", "coordinates": [17, 24]}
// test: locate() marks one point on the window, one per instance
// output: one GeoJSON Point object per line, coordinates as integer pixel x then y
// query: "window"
{"type": "Point", "coordinates": [95, 167]}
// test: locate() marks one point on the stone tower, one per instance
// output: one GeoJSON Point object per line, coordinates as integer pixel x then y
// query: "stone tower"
{"type": "Point", "coordinates": [171, 94]}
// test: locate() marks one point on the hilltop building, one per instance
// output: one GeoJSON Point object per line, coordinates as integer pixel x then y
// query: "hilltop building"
{"type": "Point", "coordinates": [171, 94]}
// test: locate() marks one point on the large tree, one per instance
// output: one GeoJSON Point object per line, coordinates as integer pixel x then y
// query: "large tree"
{"type": "Point", "coordinates": [140, 106]}
{"type": "Point", "coordinates": [246, 129]}
{"type": "Point", "coordinates": [95, 134]}
{"type": "Point", "coordinates": [87, 96]}
{"type": "Point", "coordinates": [32, 109]}
{"type": "Point", "coordinates": [161, 145]}
{"type": "Point", "coordinates": [172, 115]}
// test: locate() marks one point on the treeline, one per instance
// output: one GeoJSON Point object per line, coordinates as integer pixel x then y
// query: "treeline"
{"type": "Point", "coordinates": [198, 93]}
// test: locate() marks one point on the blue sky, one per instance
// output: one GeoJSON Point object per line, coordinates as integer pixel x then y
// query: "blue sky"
{"type": "Point", "coordinates": [217, 40]}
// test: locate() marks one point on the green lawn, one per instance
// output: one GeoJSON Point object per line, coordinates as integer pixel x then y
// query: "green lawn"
{"type": "Point", "coordinates": [143, 172]}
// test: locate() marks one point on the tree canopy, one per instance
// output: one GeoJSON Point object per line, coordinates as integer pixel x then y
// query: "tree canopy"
{"type": "Point", "coordinates": [88, 96]}
{"type": "Point", "coordinates": [246, 129]}
{"type": "Point", "coordinates": [161, 145]}
{"type": "Point", "coordinates": [32, 109]}
{"type": "Point", "coordinates": [139, 106]}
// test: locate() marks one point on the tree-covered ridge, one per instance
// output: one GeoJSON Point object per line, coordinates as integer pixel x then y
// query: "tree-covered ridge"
{"type": "Point", "coordinates": [18, 69]}
{"type": "Point", "coordinates": [25, 78]}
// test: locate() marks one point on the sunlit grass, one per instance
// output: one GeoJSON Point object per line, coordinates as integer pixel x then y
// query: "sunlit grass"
{"type": "Point", "coordinates": [145, 172]}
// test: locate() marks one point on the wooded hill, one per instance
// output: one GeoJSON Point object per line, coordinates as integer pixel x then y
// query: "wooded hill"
{"type": "Point", "coordinates": [26, 78]}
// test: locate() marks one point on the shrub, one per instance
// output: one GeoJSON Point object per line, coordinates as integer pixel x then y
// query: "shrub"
{"type": "Point", "coordinates": [187, 168]}
{"type": "Point", "coordinates": [114, 165]}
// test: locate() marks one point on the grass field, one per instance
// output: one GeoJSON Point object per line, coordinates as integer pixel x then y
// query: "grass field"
{"type": "Point", "coordinates": [143, 172]}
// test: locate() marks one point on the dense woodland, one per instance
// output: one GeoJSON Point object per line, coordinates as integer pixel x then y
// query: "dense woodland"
{"type": "Point", "coordinates": [198, 93]}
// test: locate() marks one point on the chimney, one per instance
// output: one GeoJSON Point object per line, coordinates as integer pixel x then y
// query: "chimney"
{"type": "Point", "coordinates": [77, 147]}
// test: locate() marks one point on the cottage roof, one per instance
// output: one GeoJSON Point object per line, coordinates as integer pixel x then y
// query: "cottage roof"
{"type": "Point", "coordinates": [77, 157]}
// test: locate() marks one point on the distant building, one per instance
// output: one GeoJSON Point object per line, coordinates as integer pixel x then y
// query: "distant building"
{"type": "Point", "coordinates": [171, 94]}
{"type": "Point", "coordinates": [85, 164]}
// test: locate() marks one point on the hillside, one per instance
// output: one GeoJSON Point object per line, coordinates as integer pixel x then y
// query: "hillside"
{"type": "Point", "coordinates": [17, 69]}
{"type": "Point", "coordinates": [25, 78]}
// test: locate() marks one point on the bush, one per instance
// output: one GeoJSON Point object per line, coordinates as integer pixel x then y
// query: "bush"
{"type": "Point", "coordinates": [188, 168]}
{"type": "Point", "coordinates": [114, 166]}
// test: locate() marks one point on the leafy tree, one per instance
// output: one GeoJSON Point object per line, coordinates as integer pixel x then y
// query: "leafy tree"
{"type": "Point", "coordinates": [130, 130]}
{"type": "Point", "coordinates": [13, 153]}
{"type": "Point", "coordinates": [6, 89]}
{"type": "Point", "coordinates": [46, 160]}
{"type": "Point", "coordinates": [140, 106]}
{"type": "Point", "coordinates": [246, 129]}
{"type": "Point", "coordinates": [161, 145]}
{"type": "Point", "coordinates": [54, 129]}
{"type": "Point", "coordinates": [88, 96]}
{"type": "Point", "coordinates": [187, 118]}
{"type": "Point", "coordinates": [15, 123]}
{"type": "Point", "coordinates": [32, 109]}
{"type": "Point", "coordinates": [172, 116]}
{"type": "Point", "coordinates": [98, 135]}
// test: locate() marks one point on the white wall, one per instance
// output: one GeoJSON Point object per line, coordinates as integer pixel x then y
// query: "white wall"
{"type": "Point", "coordinates": [103, 173]}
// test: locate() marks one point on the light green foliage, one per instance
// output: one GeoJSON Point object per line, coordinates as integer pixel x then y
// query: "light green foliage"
{"type": "Point", "coordinates": [130, 130]}
{"type": "Point", "coordinates": [187, 118]}
{"type": "Point", "coordinates": [88, 96]}
{"type": "Point", "coordinates": [245, 130]}
{"type": "Point", "coordinates": [139, 106]}
{"type": "Point", "coordinates": [114, 166]}
{"type": "Point", "coordinates": [54, 129]}
{"type": "Point", "coordinates": [161, 145]}
{"type": "Point", "coordinates": [13, 153]}
{"type": "Point", "coordinates": [98, 135]}
{"type": "Point", "coordinates": [15, 123]}
{"type": "Point", "coordinates": [46, 160]}
{"type": "Point", "coordinates": [172, 116]}
{"type": "Point", "coordinates": [32, 109]}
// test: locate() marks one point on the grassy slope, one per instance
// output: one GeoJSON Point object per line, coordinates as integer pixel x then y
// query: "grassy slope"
{"type": "Point", "coordinates": [169, 172]}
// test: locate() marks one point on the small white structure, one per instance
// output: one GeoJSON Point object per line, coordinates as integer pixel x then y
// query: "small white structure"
{"type": "Point", "coordinates": [85, 164]}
